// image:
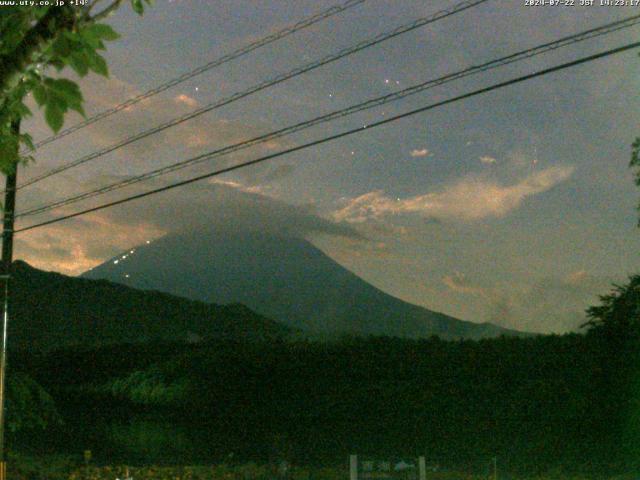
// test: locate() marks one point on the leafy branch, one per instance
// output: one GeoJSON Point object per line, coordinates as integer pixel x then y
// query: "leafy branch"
{"type": "Point", "coordinates": [35, 38]}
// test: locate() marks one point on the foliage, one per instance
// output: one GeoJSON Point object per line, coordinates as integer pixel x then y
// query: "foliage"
{"type": "Point", "coordinates": [50, 467]}
{"type": "Point", "coordinates": [34, 38]}
{"type": "Point", "coordinates": [54, 311]}
{"type": "Point", "coordinates": [539, 404]}
{"type": "Point", "coordinates": [29, 406]}
{"type": "Point", "coordinates": [618, 315]}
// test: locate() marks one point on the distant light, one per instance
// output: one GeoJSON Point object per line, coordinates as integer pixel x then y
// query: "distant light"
{"type": "Point", "coordinates": [148, 241]}
{"type": "Point", "coordinates": [126, 276]}
{"type": "Point", "coordinates": [132, 251]}
{"type": "Point", "coordinates": [116, 261]}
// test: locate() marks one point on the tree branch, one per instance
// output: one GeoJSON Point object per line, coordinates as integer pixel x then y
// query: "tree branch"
{"type": "Point", "coordinates": [107, 11]}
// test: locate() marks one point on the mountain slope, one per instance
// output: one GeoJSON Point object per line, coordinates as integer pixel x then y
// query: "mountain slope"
{"type": "Point", "coordinates": [52, 310]}
{"type": "Point", "coordinates": [284, 278]}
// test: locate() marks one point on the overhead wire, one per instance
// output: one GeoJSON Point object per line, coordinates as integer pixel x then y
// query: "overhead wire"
{"type": "Point", "coordinates": [365, 44]}
{"type": "Point", "coordinates": [372, 103]}
{"type": "Point", "coordinates": [343, 134]}
{"type": "Point", "coordinates": [280, 34]}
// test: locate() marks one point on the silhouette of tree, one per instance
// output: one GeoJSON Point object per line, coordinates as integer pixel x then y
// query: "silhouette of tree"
{"type": "Point", "coordinates": [618, 314]}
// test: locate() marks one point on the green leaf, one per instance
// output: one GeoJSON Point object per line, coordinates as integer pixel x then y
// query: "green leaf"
{"type": "Point", "coordinates": [98, 64]}
{"type": "Point", "coordinates": [62, 47]}
{"type": "Point", "coordinates": [91, 40]}
{"type": "Point", "coordinates": [22, 110]}
{"type": "Point", "coordinates": [40, 12]}
{"type": "Point", "coordinates": [137, 6]}
{"type": "Point", "coordinates": [40, 94]}
{"type": "Point", "coordinates": [27, 140]}
{"type": "Point", "coordinates": [79, 62]}
{"type": "Point", "coordinates": [101, 31]}
{"type": "Point", "coordinates": [66, 88]}
{"type": "Point", "coordinates": [54, 115]}
{"type": "Point", "coordinates": [66, 92]}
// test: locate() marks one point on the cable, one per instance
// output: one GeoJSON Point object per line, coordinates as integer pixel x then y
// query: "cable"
{"type": "Point", "coordinates": [459, 7]}
{"type": "Point", "coordinates": [472, 70]}
{"type": "Point", "coordinates": [346, 133]}
{"type": "Point", "coordinates": [302, 24]}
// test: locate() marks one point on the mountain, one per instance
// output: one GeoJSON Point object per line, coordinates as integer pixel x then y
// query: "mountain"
{"type": "Point", "coordinates": [49, 310]}
{"type": "Point", "coordinates": [284, 278]}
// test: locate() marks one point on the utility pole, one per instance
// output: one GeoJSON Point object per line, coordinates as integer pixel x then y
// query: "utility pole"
{"type": "Point", "coordinates": [5, 275]}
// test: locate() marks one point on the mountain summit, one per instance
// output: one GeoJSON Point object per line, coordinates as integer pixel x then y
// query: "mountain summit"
{"type": "Point", "coordinates": [284, 278]}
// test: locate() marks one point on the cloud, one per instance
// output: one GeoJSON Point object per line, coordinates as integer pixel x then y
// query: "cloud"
{"type": "Point", "coordinates": [76, 245]}
{"type": "Point", "coordinates": [469, 199]}
{"type": "Point", "coordinates": [487, 160]}
{"type": "Point", "coordinates": [419, 153]}
{"type": "Point", "coordinates": [266, 173]}
{"type": "Point", "coordinates": [186, 100]}
{"type": "Point", "coordinates": [555, 304]}
{"type": "Point", "coordinates": [458, 282]}
{"type": "Point", "coordinates": [182, 139]}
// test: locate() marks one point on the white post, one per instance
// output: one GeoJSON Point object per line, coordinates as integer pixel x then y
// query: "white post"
{"type": "Point", "coordinates": [422, 468]}
{"type": "Point", "coordinates": [353, 467]}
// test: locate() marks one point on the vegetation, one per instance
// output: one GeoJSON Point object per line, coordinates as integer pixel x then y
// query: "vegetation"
{"type": "Point", "coordinates": [50, 310]}
{"type": "Point", "coordinates": [34, 38]}
{"type": "Point", "coordinates": [549, 406]}
{"type": "Point", "coordinates": [618, 315]}
{"type": "Point", "coordinates": [65, 468]}
{"type": "Point", "coordinates": [564, 404]}
{"type": "Point", "coordinates": [541, 404]}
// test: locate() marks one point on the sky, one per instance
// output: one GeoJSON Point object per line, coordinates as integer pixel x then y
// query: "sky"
{"type": "Point", "coordinates": [516, 207]}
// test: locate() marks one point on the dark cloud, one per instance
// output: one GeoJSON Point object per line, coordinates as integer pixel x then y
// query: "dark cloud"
{"type": "Point", "coordinates": [216, 206]}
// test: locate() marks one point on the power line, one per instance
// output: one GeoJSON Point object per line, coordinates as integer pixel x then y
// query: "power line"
{"type": "Point", "coordinates": [302, 24]}
{"type": "Point", "coordinates": [458, 98]}
{"type": "Point", "coordinates": [472, 70]}
{"type": "Point", "coordinates": [459, 7]}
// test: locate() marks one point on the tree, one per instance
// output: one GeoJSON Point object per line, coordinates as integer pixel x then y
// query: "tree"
{"type": "Point", "coordinates": [29, 406]}
{"type": "Point", "coordinates": [618, 314]}
{"type": "Point", "coordinates": [60, 34]}
{"type": "Point", "coordinates": [37, 37]}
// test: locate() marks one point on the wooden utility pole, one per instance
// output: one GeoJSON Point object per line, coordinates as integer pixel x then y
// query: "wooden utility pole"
{"type": "Point", "coordinates": [5, 275]}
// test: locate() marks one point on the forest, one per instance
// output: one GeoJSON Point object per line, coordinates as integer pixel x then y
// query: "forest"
{"type": "Point", "coordinates": [539, 404]}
